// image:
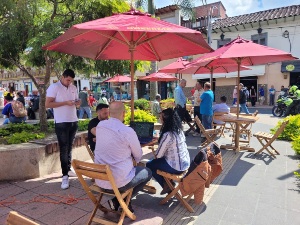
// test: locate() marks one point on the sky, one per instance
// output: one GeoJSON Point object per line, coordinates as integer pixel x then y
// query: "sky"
{"type": "Point", "coordinates": [238, 7]}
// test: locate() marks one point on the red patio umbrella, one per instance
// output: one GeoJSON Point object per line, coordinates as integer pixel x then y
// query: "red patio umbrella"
{"type": "Point", "coordinates": [243, 52]}
{"type": "Point", "coordinates": [159, 77]}
{"type": "Point", "coordinates": [174, 67]}
{"type": "Point", "coordinates": [129, 36]}
{"type": "Point", "coordinates": [192, 68]}
{"type": "Point", "coordinates": [118, 79]}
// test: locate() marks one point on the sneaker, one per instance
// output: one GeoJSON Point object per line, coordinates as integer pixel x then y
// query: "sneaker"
{"type": "Point", "coordinates": [113, 204]}
{"type": "Point", "coordinates": [196, 134]}
{"type": "Point", "coordinates": [202, 135]}
{"type": "Point", "coordinates": [65, 182]}
{"type": "Point", "coordinates": [72, 173]}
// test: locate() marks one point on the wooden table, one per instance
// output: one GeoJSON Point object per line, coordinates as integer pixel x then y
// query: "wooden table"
{"type": "Point", "coordinates": [232, 118]}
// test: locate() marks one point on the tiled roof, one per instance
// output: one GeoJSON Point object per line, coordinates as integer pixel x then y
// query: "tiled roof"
{"type": "Point", "coordinates": [166, 9]}
{"type": "Point", "coordinates": [271, 14]}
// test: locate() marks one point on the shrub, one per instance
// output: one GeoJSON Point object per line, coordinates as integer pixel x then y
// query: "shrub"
{"type": "Point", "coordinates": [140, 116]}
{"type": "Point", "coordinates": [142, 104]}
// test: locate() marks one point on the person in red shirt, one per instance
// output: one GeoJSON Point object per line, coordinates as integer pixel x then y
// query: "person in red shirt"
{"type": "Point", "coordinates": [92, 100]}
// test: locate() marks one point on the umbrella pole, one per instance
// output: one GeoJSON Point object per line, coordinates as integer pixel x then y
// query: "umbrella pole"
{"type": "Point", "coordinates": [211, 79]}
{"type": "Point", "coordinates": [238, 87]}
{"type": "Point", "coordinates": [132, 83]}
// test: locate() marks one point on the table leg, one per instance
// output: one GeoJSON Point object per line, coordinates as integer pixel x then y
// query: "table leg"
{"type": "Point", "coordinates": [237, 137]}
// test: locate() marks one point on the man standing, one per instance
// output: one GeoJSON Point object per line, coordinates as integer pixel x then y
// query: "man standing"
{"type": "Point", "coordinates": [102, 114]}
{"type": "Point", "coordinates": [116, 145]}
{"type": "Point", "coordinates": [272, 94]}
{"type": "Point", "coordinates": [206, 102]}
{"type": "Point", "coordinates": [253, 96]}
{"type": "Point", "coordinates": [197, 93]}
{"type": "Point", "coordinates": [85, 104]}
{"type": "Point", "coordinates": [261, 95]}
{"type": "Point", "coordinates": [63, 98]}
{"type": "Point", "coordinates": [180, 102]}
{"type": "Point", "coordinates": [243, 99]}
{"type": "Point", "coordinates": [156, 109]}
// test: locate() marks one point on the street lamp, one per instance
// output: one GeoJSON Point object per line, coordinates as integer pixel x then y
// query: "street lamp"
{"type": "Point", "coordinates": [209, 26]}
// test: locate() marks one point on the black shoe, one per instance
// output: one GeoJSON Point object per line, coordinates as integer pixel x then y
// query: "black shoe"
{"type": "Point", "coordinates": [166, 189]}
{"type": "Point", "coordinates": [130, 207]}
{"type": "Point", "coordinates": [113, 204]}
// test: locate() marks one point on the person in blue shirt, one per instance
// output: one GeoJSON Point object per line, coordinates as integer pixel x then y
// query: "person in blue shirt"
{"type": "Point", "coordinates": [180, 102]}
{"type": "Point", "coordinates": [261, 95]}
{"type": "Point", "coordinates": [272, 92]}
{"type": "Point", "coordinates": [206, 106]}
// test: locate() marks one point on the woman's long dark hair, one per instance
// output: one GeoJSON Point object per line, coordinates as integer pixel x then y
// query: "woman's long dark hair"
{"type": "Point", "coordinates": [171, 122]}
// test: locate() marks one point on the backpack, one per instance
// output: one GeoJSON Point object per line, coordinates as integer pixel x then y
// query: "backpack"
{"type": "Point", "coordinates": [18, 109]}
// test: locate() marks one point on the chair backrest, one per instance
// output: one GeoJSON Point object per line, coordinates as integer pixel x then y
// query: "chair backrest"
{"type": "Point", "coordinates": [200, 125]}
{"type": "Point", "coordinates": [16, 219]}
{"type": "Point", "coordinates": [94, 171]}
{"type": "Point", "coordinates": [280, 130]}
{"type": "Point", "coordinates": [87, 145]}
{"type": "Point", "coordinates": [233, 109]}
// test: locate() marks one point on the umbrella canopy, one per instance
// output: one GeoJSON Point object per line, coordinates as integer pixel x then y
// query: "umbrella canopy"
{"type": "Point", "coordinates": [159, 77]}
{"type": "Point", "coordinates": [130, 36]}
{"type": "Point", "coordinates": [242, 52]}
{"type": "Point", "coordinates": [192, 68]}
{"type": "Point", "coordinates": [118, 79]}
{"type": "Point", "coordinates": [175, 67]}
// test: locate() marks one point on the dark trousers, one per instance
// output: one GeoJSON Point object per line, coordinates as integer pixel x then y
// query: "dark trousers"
{"type": "Point", "coordinates": [272, 98]}
{"type": "Point", "coordinates": [65, 133]}
{"type": "Point", "coordinates": [253, 101]}
{"type": "Point", "coordinates": [197, 113]}
{"type": "Point", "coordinates": [183, 113]}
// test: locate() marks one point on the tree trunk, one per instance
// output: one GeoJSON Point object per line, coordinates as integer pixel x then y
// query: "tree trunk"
{"type": "Point", "coordinates": [153, 85]}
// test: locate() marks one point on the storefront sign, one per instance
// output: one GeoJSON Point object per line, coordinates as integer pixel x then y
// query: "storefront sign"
{"type": "Point", "coordinates": [290, 66]}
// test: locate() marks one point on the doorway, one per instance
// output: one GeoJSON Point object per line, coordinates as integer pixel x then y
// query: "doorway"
{"type": "Point", "coordinates": [295, 78]}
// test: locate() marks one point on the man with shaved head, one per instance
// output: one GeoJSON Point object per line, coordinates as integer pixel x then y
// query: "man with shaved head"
{"type": "Point", "coordinates": [180, 102]}
{"type": "Point", "coordinates": [116, 145]}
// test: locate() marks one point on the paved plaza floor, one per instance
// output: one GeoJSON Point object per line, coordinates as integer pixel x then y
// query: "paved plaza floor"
{"type": "Point", "coordinates": [250, 190]}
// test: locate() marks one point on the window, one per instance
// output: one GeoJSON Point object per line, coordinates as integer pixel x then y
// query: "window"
{"type": "Point", "coordinates": [221, 43]}
{"type": "Point", "coordinates": [261, 39]}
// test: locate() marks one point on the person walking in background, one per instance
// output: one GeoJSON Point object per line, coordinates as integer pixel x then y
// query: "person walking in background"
{"type": "Point", "coordinates": [63, 98]}
{"type": "Point", "coordinates": [243, 98]}
{"type": "Point", "coordinates": [252, 93]}
{"type": "Point", "coordinates": [272, 92]}
{"type": "Point", "coordinates": [85, 104]}
{"type": "Point", "coordinates": [198, 92]}
{"type": "Point", "coordinates": [261, 95]}
{"type": "Point", "coordinates": [206, 102]}
{"type": "Point", "coordinates": [155, 109]}
{"type": "Point", "coordinates": [234, 95]}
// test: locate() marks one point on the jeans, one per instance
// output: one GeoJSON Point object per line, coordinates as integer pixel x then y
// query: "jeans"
{"type": "Point", "coordinates": [14, 119]}
{"type": "Point", "coordinates": [160, 164]}
{"type": "Point", "coordinates": [272, 97]}
{"type": "Point", "coordinates": [244, 108]}
{"type": "Point", "coordinates": [207, 121]}
{"type": "Point", "coordinates": [86, 109]}
{"type": "Point", "coordinates": [234, 101]}
{"type": "Point", "coordinates": [197, 113]}
{"type": "Point", "coordinates": [141, 178]}
{"type": "Point", "coordinates": [65, 133]}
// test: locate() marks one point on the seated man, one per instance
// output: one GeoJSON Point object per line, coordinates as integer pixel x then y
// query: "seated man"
{"type": "Point", "coordinates": [116, 145]}
{"type": "Point", "coordinates": [156, 110]}
{"type": "Point", "coordinates": [102, 114]}
{"type": "Point", "coordinates": [221, 107]}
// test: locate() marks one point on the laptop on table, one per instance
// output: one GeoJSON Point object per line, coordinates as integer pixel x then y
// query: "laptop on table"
{"type": "Point", "coordinates": [144, 131]}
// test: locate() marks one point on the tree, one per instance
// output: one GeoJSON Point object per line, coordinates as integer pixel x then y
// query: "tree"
{"type": "Point", "coordinates": [26, 25]}
{"type": "Point", "coordinates": [186, 7]}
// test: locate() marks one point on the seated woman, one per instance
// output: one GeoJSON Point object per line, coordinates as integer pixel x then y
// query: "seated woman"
{"type": "Point", "coordinates": [172, 155]}
{"type": "Point", "coordinates": [8, 112]}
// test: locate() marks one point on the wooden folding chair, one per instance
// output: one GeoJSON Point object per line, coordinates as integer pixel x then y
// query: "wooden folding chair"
{"type": "Point", "coordinates": [192, 126]}
{"type": "Point", "coordinates": [87, 145]}
{"type": "Point", "coordinates": [102, 172]}
{"type": "Point", "coordinates": [266, 139]}
{"type": "Point", "coordinates": [210, 134]}
{"type": "Point", "coordinates": [175, 189]}
{"type": "Point", "coordinates": [15, 218]}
